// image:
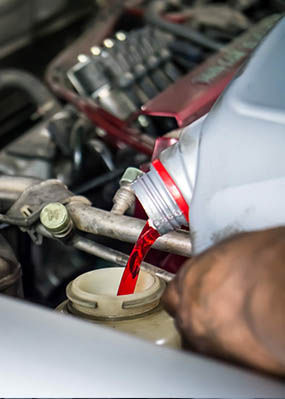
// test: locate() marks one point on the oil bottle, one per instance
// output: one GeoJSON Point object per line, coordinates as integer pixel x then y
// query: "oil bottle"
{"type": "Point", "coordinates": [227, 172]}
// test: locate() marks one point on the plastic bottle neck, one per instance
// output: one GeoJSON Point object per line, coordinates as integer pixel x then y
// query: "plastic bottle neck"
{"type": "Point", "coordinates": [161, 199]}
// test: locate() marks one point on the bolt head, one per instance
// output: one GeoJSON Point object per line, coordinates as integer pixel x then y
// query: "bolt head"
{"type": "Point", "coordinates": [54, 217]}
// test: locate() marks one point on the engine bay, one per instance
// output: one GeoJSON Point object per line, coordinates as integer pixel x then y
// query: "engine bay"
{"type": "Point", "coordinates": [121, 85]}
{"type": "Point", "coordinates": [90, 89]}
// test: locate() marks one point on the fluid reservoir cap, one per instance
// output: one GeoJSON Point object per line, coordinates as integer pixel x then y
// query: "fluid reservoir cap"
{"type": "Point", "coordinates": [55, 218]}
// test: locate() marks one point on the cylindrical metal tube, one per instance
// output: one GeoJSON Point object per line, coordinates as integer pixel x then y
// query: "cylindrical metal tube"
{"type": "Point", "coordinates": [11, 187]}
{"type": "Point", "coordinates": [117, 257]}
{"type": "Point", "coordinates": [108, 254]}
{"type": "Point", "coordinates": [124, 228]}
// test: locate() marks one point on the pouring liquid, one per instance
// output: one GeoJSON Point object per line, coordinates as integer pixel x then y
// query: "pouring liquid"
{"type": "Point", "coordinates": [129, 279]}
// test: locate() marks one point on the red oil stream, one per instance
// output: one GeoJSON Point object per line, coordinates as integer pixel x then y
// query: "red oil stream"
{"type": "Point", "coordinates": [129, 279]}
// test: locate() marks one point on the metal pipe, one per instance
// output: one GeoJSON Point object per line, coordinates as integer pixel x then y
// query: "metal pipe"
{"type": "Point", "coordinates": [97, 221]}
{"type": "Point", "coordinates": [15, 185]}
{"type": "Point", "coordinates": [11, 187]}
{"type": "Point", "coordinates": [124, 228]}
{"type": "Point", "coordinates": [114, 256]}
{"type": "Point", "coordinates": [108, 254]}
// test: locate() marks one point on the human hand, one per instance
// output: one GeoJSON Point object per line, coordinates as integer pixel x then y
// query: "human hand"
{"type": "Point", "coordinates": [229, 301]}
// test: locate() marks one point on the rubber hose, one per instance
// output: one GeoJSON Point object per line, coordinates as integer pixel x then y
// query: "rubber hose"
{"type": "Point", "coordinates": [76, 143]}
{"type": "Point", "coordinates": [40, 95]}
{"type": "Point", "coordinates": [153, 17]}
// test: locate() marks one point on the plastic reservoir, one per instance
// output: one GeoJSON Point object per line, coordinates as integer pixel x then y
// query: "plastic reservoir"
{"type": "Point", "coordinates": [93, 296]}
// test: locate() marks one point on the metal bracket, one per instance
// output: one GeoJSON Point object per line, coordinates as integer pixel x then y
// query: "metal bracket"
{"type": "Point", "coordinates": [25, 212]}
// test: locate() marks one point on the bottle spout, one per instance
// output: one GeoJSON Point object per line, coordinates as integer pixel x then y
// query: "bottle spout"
{"type": "Point", "coordinates": [161, 199]}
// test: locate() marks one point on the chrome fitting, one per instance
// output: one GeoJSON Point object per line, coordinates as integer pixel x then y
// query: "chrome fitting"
{"type": "Point", "coordinates": [125, 197]}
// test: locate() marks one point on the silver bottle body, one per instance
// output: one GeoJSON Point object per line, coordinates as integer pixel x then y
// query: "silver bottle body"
{"type": "Point", "coordinates": [230, 164]}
